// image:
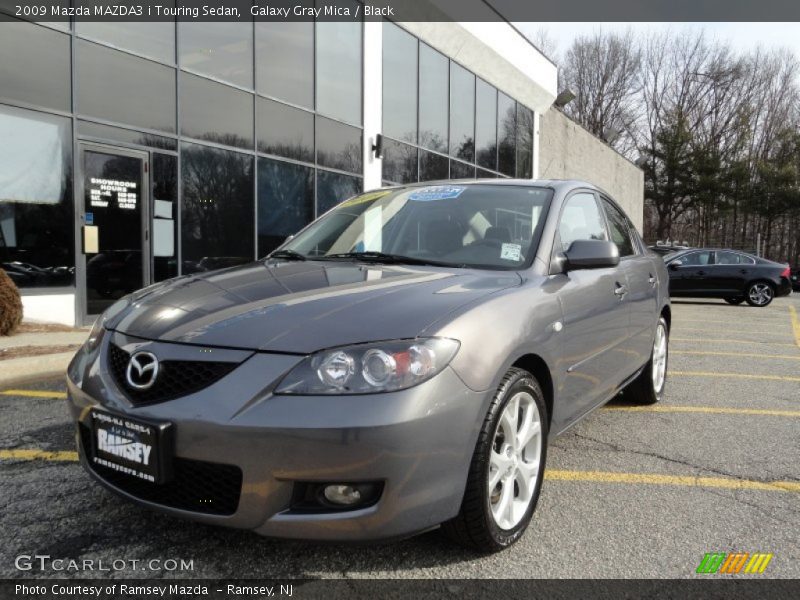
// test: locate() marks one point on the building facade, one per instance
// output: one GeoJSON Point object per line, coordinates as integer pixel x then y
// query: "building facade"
{"type": "Point", "coordinates": [132, 153]}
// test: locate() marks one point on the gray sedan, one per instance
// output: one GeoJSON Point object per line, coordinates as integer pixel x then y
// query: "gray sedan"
{"type": "Point", "coordinates": [399, 364]}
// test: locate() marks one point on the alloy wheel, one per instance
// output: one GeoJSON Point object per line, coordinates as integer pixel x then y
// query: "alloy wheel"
{"type": "Point", "coordinates": [515, 461]}
{"type": "Point", "coordinates": [659, 368]}
{"type": "Point", "coordinates": [760, 294]}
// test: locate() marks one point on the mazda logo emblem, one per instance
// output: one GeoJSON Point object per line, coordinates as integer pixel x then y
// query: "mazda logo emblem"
{"type": "Point", "coordinates": [142, 370]}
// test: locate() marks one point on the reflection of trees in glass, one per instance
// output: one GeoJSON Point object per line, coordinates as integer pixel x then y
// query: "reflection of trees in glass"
{"type": "Point", "coordinates": [285, 201]}
{"type": "Point", "coordinates": [524, 142]}
{"type": "Point", "coordinates": [507, 132]}
{"type": "Point", "coordinates": [348, 158]}
{"type": "Point", "coordinates": [296, 149]}
{"type": "Point", "coordinates": [487, 155]}
{"type": "Point", "coordinates": [432, 166]}
{"type": "Point", "coordinates": [399, 162]}
{"type": "Point", "coordinates": [333, 188]}
{"type": "Point", "coordinates": [466, 149]}
{"type": "Point", "coordinates": [218, 203]}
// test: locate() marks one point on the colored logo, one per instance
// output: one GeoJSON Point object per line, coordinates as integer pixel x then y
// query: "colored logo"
{"type": "Point", "coordinates": [734, 562]}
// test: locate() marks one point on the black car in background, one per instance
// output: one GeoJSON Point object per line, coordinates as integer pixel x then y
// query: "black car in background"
{"type": "Point", "coordinates": [796, 279]}
{"type": "Point", "coordinates": [664, 249]}
{"type": "Point", "coordinates": [729, 274]}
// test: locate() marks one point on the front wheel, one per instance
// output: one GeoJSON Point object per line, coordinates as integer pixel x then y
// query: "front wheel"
{"type": "Point", "coordinates": [735, 300]}
{"type": "Point", "coordinates": [648, 387]}
{"type": "Point", "coordinates": [505, 475]}
{"type": "Point", "coordinates": [760, 294]}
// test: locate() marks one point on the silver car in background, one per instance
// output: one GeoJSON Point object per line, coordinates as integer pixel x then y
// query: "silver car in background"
{"type": "Point", "coordinates": [399, 364]}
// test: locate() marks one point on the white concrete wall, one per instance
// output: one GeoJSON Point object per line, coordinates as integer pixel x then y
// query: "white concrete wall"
{"type": "Point", "coordinates": [373, 101]}
{"type": "Point", "coordinates": [49, 308]}
{"type": "Point", "coordinates": [568, 151]}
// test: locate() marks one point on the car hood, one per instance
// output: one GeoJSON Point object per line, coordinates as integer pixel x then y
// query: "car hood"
{"type": "Point", "coordinates": [301, 307]}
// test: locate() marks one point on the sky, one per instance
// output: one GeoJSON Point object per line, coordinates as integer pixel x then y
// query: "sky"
{"type": "Point", "coordinates": [742, 35]}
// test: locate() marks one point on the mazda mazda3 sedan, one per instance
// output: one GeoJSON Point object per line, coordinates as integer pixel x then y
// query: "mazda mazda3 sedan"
{"type": "Point", "coordinates": [401, 363]}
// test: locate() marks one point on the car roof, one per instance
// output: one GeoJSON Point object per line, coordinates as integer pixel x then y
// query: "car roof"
{"type": "Point", "coordinates": [556, 184]}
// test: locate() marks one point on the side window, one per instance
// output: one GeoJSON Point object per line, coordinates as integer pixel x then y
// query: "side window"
{"type": "Point", "coordinates": [581, 220]}
{"type": "Point", "coordinates": [733, 258]}
{"type": "Point", "coordinates": [618, 227]}
{"type": "Point", "coordinates": [696, 259]}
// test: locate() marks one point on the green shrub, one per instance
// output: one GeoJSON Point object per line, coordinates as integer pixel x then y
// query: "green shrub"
{"type": "Point", "coordinates": [10, 305]}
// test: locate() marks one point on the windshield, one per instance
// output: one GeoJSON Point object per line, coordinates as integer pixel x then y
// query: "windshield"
{"type": "Point", "coordinates": [476, 225]}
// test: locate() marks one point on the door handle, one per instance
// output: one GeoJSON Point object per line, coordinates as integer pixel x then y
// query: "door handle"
{"type": "Point", "coordinates": [621, 290]}
{"type": "Point", "coordinates": [701, 273]}
{"type": "Point", "coordinates": [743, 271]}
{"type": "Point", "coordinates": [652, 280]}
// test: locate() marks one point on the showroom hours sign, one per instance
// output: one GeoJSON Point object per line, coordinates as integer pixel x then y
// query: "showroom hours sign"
{"type": "Point", "coordinates": [102, 191]}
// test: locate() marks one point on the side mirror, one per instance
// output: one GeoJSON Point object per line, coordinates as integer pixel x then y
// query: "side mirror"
{"type": "Point", "coordinates": [591, 254]}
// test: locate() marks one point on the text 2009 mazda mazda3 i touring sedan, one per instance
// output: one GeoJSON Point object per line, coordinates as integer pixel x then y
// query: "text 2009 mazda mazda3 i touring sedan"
{"type": "Point", "coordinates": [399, 364]}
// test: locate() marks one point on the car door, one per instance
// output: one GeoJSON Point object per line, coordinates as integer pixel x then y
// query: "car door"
{"type": "Point", "coordinates": [595, 314]}
{"type": "Point", "coordinates": [642, 287]}
{"type": "Point", "coordinates": [687, 273]}
{"type": "Point", "coordinates": [731, 271]}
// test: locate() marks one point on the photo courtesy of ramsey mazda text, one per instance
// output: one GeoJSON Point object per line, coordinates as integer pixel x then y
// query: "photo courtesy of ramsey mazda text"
{"type": "Point", "coordinates": [399, 364]}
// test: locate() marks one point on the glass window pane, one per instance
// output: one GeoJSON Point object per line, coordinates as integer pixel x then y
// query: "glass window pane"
{"type": "Point", "coordinates": [36, 218]}
{"type": "Point", "coordinates": [215, 112]}
{"type": "Point", "coordinates": [581, 219]}
{"type": "Point", "coordinates": [524, 142]}
{"type": "Point", "coordinates": [118, 134]}
{"type": "Point", "coordinates": [221, 49]}
{"type": "Point", "coordinates": [339, 70]}
{"type": "Point", "coordinates": [459, 170]}
{"type": "Point", "coordinates": [486, 125]}
{"type": "Point", "coordinates": [155, 39]}
{"type": "Point", "coordinates": [338, 145]}
{"type": "Point", "coordinates": [482, 174]}
{"type": "Point", "coordinates": [165, 189]}
{"type": "Point", "coordinates": [399, 83]}
{"type": "Point", "coordinates": [285, 131]}
{"type": "Point", "coordinates": [618, 227]}
{"type": "Point", "coordinates": [217, 208]}
{"type": "Point", "coordinates": [507, 134]}
{"type": "Point", "coordinates": [285, 61]}
{"type": "Point", "coordinates": [432, 166]}
{"type": "Point", "coordinates": [34, 64]}
{"type": "Point", "coordinates": [433, 88]}
{"type": "Point", "coordinates": [399, 162]}
{"type": "Point", "coordinates": [285, 201]}
{"type": "Point", "coordinates": [462, 113]}
{"type": "Point", "coordinates": [119, 87]}
{"type": "Point", "coordinates": [333, 188]}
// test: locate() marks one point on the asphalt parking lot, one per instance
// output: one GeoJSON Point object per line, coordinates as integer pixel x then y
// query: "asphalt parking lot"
{"type": "Point", "coordinates": [630, 491]}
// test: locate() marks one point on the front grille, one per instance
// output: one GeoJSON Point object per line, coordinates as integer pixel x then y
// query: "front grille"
{"type": "Point", "coordinates": [176, 378]}
{"type": "Point", "coordinates": [197, 486]}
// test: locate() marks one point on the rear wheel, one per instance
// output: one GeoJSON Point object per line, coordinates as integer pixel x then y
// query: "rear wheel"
{"type": "Point", "coordinates": [505, 476]}
{"type": "Point", "coordinates": [648, 387]}
{"type": "Point", "coordinates": [760, 294]}
{"type": "Point", "coordinates": [735, 300]}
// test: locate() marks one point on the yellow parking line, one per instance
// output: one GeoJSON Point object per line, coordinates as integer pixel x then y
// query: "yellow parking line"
{"type": "Point", "coordinates": [760, 332]}
{"type": "Point", "coordinates": [747, 354]}
{"type": "Point", "coordinates": [551, 474]}
{"type": "Point", "coordinates": [733, 375]}
{"type": "Point", "coordinates": [34, 393]}
{"type": "Point", "coordinates": [795, 325]}
{"type": "Point", "coordinates": [59, 455]}
{"type": "Point", "coordinates": [766, 321]}
{"type": "Point", "coordinates": [728, 341]}
{"type": "Point", "coordinates": [715, 410]}
{"type": "Point", "coordinates": [676, 480]}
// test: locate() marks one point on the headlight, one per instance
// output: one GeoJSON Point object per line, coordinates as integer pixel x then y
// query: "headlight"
{"type": "Point", "coordinates": [99, 327]}
{"type": "Point", "coordinates": [369, 368]}
{"type": "Point", "coordinates": [95, 335]}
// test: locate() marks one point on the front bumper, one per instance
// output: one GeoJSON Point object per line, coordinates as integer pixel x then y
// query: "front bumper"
{"type": "Point", "coordinates": [417, 442]}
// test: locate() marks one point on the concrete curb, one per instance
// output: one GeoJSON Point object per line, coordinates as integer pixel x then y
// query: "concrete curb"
{"type": "Point", "coordinates": [25, 369]}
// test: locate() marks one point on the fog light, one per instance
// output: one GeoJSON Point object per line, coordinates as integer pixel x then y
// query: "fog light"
{"type": "Point", "coordinates": [346, 495]}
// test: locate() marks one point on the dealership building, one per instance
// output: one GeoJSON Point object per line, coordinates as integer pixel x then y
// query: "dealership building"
{"type": "Point", "coordinates": [131, 153]}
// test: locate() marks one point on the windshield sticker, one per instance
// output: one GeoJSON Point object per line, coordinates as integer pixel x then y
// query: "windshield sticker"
{"type": "Point", "coordinates": [437, 192]}
{"type": "Point", "coordinates": [510, 252]}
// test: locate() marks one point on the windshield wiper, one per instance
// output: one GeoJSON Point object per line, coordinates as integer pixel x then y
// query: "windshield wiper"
{"type": "Point", "coordinates": [287, 255]}
{"type": "Point", "coordinates": [383, 257]}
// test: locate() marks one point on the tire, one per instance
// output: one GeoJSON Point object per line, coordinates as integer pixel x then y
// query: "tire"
{"type": "Point", "coordinates": [648, 387]}
{"type": "Point", "coordinates": [760, 294]}
{"type": "Point", "coordinates": [477, 525]}
{"type": "Point", "coordinates": [735, 300]}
